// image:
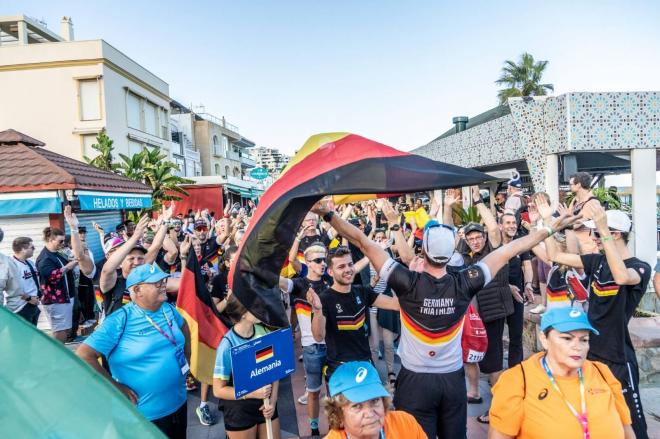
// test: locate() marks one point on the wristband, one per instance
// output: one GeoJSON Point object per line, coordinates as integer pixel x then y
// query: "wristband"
{"type": "Point", "coordinates": [549, 230]}
{"type": "Point", "coordinates": [328, 216]}
{"type": "Point", "coordinates": [395, 227]}
{"type": "Point", "coordinates": [606, 238]}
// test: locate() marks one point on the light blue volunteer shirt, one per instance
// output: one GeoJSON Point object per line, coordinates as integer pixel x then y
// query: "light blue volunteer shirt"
{"type": "Point", "coordinates": [222, 369]}
{"type": "Point", "coordinates": [143, 359]}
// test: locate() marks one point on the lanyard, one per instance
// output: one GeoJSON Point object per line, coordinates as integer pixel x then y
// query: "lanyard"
{"type": "Point", "coordinates": [581, 417]}
{"type": "Point", "coordinates": [155, 325]}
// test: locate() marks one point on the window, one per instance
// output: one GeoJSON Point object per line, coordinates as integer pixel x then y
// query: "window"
{"type": "Point", "coordinates": [164, 122]}
{"type": "Point", "coordinates": [150, 119]}
{"type": "Point", "coordinates": [237, 172]}
{"type": "Point", "coordinates": [133, 111]}
{"type": "Point", "coordinates": [217, 169]}
{"type": "Point", "coordinates": [88, 95]}
{"type": "Point", "coordinates": [227, 174]}
{"type": "Point", "coordinates": [134, 148]}
{"type": "Point", "coordinates": [225, 145]}
{"type": "Point", "coordinates": [88, 141]}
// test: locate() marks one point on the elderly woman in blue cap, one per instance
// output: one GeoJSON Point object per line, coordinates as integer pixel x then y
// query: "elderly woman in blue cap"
{"type": "Point", "coordinates": [147, 345]}
{"type": "Point", "coordinates": [558, 393]}
{"type": "Point", "coordinates": [358, 406]}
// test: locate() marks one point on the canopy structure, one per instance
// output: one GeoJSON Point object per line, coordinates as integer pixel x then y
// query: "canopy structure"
{"type": "Point", "coordinates": [328, 164]}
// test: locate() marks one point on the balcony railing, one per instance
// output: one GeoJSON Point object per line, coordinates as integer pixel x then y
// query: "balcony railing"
{"type": "Point", "coordinates": [221, 121]}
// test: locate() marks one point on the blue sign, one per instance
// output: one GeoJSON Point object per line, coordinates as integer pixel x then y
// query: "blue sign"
{"type": "Point", "coordinates": [259, 173]}
{"type": "Point", "coordinates": [262, 361]}
{"type": "Point", "coordinates": [99, 201]}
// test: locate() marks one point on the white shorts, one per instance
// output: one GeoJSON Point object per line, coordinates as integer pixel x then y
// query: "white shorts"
{"type": "Point", "coordinates": [59, 316]}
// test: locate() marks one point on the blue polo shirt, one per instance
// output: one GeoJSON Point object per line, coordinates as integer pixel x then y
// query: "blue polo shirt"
{"type": "Point", "coordinates": [142, 358]}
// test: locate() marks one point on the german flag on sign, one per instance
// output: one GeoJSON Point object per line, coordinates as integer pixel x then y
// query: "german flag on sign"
{"type": "Point", "coordinates": [328, 164]}
{"type": "Point", "coordinates": [264, 354]}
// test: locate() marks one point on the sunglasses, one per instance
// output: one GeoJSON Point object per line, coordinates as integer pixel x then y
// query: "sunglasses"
{"type": "Point", "coordinates": [201, 229]}
{"type": "Point", "coordinates": [597, 234]}
{"type": "Point", "coordinates": [318, 261]}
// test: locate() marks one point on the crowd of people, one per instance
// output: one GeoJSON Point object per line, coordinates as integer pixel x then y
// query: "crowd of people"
{"type": "Point", "coordinates": [363, 281]}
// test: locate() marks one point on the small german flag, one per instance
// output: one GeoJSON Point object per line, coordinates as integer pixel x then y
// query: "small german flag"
{"type": "Point", "coordinates": [264, 354]}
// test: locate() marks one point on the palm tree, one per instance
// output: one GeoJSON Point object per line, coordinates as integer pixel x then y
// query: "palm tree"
{"type": "Point", "coordinates": [104, 159]}
{"type": "Point", "coordinates": [159, 173]}
{"type": "Point", "coordinates": [523, 79]}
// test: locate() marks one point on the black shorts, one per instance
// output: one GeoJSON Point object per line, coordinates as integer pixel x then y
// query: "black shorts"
{"type": "Point", "coordinates": [494, 359]}
{"type": "Point", "coordinates": [174, 425]}
{"type": "Point", "coordinates": [244, 414]}
{"type": "Point", "coordinates": [437, 400]}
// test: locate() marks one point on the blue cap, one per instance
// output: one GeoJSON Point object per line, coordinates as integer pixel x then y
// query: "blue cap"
{"type": "Point", "coordinates": [145, 274]}
{"type": "Point", "coordinates": [566, 320]}
{"type": "Point", "coordinates": [358, 381]}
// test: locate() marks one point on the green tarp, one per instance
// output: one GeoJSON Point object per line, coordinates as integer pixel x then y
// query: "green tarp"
{"type": "Point", "coordinates": [48, 392]}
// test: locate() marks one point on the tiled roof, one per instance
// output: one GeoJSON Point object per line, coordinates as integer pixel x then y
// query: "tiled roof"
{"type": "Point", "coordinates": [25, 167]}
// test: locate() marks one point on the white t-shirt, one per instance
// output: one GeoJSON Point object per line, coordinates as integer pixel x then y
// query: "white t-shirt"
{"type": "Point", "coordinates": [28, 284]}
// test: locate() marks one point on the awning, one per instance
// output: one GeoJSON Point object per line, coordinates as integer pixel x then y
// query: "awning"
{"type": "Point", "coordinates": [238, 190]}
{"type": "Point", "coordinates": [29, 203]}
{"type": "Point", "coordinates": [112, 201]}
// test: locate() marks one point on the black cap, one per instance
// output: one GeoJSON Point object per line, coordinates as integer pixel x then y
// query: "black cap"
{"type": "Point", "coordinates": [473, 227]}
{"type": "Point", "coordinates": [82, 229]}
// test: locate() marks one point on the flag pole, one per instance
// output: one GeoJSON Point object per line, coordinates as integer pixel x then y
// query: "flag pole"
{"type": "Point", "coordinates": [269, 421]}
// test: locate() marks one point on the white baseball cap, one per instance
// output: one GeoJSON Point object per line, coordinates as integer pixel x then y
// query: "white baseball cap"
{"type": "Point", "coordinates": [616, 220]}
{"type": "Point", "coordinates": [439, 240]}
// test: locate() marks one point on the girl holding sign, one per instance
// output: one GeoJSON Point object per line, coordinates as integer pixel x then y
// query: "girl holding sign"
{"type": "Point", "coordinates": [247, 417]}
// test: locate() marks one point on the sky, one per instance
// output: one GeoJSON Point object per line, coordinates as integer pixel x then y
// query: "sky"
{"type": "Point", "coordinates": [393, 71]}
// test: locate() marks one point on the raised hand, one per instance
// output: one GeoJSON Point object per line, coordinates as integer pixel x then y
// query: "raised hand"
{"type": "Point", "coordinates": [543, 207]}
{"type": "Point", "coordinates": [184, 249]}
{"type": "Point", "coordinates": [167, 213]}
{"type": "Point", "coordinates": [321, 207]}
{"type": "Point", "coordinates": [141, 227]}
{"type": "Point", "coordinates": [389, 212]}
{"type": "Point", "coordinates": [596, 212]}
{"type": "Point", "coordinates": [451, 197]}
{"type": "Point", "coordinates": [475, 193]}
{"type": "Point", "coordinates": [71, 218]}
{"type": "Point", "coordinates": [564, 221]}
{"type": "Point", "coordinates": [98, 227]}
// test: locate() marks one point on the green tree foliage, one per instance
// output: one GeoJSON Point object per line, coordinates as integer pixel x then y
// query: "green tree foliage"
{"type": "Point", "coordinates": [466, 216]}
{"type": "Point", "coordinates": [523, 79]}
{"type": "Point", "coordinates": [104, 159]}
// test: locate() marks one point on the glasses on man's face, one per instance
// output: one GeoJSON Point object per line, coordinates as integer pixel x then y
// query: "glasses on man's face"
{"type": "Point", "coordinates": [475, 238]}
{"type": "Point", "coordinates": [201, 229]}
{"type": "Point", "coordinates": [318, 260]}
{"type": "Point", "coordinates": [596, 234]}
{"type": "Point", "coordinates": [60, 241]}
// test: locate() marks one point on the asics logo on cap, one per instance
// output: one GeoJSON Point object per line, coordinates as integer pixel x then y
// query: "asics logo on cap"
{"type": "Point", "coordinates": [361, 375]}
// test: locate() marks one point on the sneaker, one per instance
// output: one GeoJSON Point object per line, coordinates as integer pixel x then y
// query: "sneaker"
{"type": "Point", "coordinates": [316, 433]}
{"type": "Point", "coordinates": [538, 309]}
{"type": "Point", "coordinates": [303, 399]}
{"type": "Point", "coordinates": [190, 383]}
{"type": "Point", "coordinates": [204, 415]}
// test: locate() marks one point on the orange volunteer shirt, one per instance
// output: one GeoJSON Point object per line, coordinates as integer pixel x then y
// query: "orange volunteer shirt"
{"type": "Point", "coordinates": [398, 424]}
{"type": "Point", "coordinates": [544, 414]}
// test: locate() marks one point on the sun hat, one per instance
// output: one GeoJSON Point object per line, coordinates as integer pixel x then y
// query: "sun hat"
{"type": "Point", "coordinates": [145, 274]}
{"type": "Point", "coordinates": [566, 319]}
{"type": "Point", "coordinates": [358, 381]}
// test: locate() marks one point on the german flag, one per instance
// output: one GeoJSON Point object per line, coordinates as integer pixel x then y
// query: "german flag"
{"type": "Point", "coordinates": [328, 164]}
{"type": "Point", "coordinates": [264, 354]}
{"type": "Point", "coordinates": [206, 327]}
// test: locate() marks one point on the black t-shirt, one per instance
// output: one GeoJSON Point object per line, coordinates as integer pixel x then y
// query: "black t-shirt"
{"type": "Point", "coordinates": [432, 311]}
{"type": "Point", "coordinates": [162, 263]}
{"type": "Point", "coordinates": [220, 285]}
{"type": "Point", "coordinates": [516, 275]}
{"type": "Point", "coordinates": [307, 241]}
{"type": "Point", "coordinates": [346, 328]}
{"type": "Point", "coordinates": [611, 307]}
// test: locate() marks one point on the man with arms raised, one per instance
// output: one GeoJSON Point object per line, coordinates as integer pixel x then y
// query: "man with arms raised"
{"type": "Point", "coordinates": [431, 384]}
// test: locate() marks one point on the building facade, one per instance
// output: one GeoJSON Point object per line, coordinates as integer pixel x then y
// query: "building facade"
{"type": "Point", "coordinates": [184, 147]}
{"type": "Point", "coordinates": [271, 159]}
{"type": "Point", "coordinates": [78, 89]}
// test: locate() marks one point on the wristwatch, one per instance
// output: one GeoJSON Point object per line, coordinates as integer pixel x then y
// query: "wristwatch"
{"type": "Point", "coordinates": [395, 227]}
{"type": "Point", "coordinates": [328, 216]}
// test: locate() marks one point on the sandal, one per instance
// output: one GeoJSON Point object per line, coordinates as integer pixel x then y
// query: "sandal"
{"type": "Point", "coordinates": [473, 400]}
{"type": "Point", "coordinates": [483, 419]}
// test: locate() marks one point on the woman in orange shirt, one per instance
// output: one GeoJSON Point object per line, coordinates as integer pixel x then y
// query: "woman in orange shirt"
{"type": "Point", "coordinates": [358, 407]}
{"type": "Point", "coordinates": [559, 393]}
